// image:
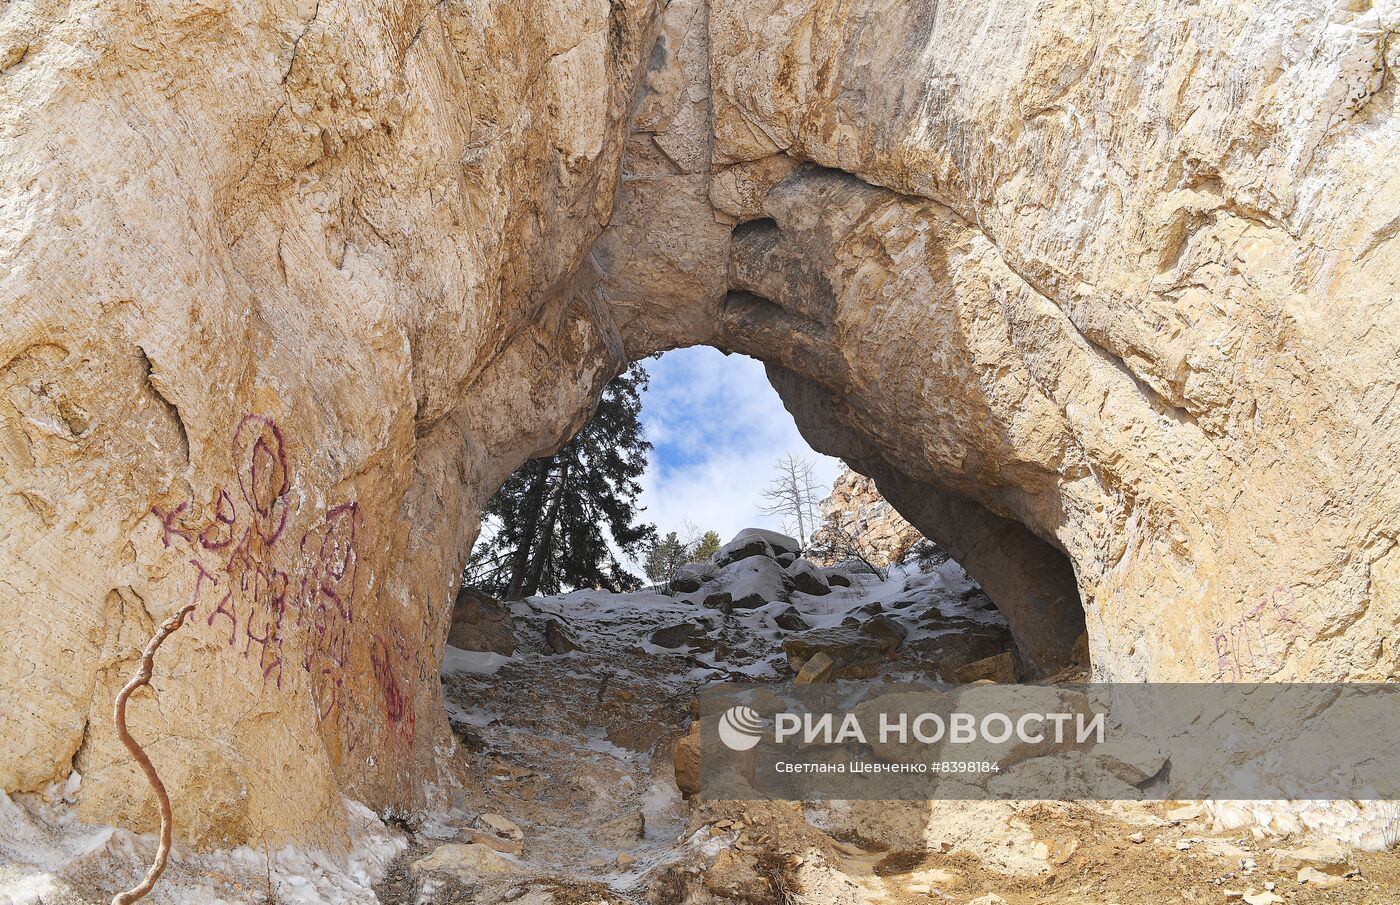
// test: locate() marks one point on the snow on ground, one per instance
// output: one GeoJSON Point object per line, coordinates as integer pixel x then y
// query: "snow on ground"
{"type": "Point", "coordinates": [748, 642]}
{"type": "Point", "coordinates": [47, 856]}
{"type": "Point", "coordinates": [572, 745]}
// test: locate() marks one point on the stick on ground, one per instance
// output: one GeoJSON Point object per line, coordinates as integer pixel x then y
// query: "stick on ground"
{"type": "Point", "coordinates": [143, 677]}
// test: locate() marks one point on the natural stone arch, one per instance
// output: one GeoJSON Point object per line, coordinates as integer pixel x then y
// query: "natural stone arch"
{"type": "Point", "coordinates": [801, 292]}
{"type": "Point", "coordinates": [1162, 343]}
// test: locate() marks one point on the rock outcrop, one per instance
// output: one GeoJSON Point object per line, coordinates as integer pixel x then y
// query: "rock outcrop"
{"type": "Point", "coordinates": [1102, 299]}
{"type": "Point", "coordinates": [274, 278]}
{"type": "Point", "coordinates": [855, 509]}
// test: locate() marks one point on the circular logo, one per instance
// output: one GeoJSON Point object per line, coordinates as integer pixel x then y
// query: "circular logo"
{"type": "Point", "coordinates": [740, 728]}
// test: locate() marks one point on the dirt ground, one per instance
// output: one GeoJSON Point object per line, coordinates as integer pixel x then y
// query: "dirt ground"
{"type": "Point", "coordinates": [576, 751]}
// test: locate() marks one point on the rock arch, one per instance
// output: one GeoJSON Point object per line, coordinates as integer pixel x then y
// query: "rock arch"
{"type": "Point", "coordinates": [1075, 290]}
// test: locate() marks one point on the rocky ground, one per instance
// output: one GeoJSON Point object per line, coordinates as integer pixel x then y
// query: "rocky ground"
{"type": "Point", "coordinates": [573, 717]}
{"type": "Point", "coordinates": [573, 744]}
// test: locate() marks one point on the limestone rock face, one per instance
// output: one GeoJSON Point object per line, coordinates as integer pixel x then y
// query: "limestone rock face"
{"type": "Point", "coordinates": [273, 278]}
{"type": "Point", "coordinates": [480, 622]}
{"type": "Point", "coordinates": [1108, 296]}
{"type": "Point", "coordinates": [1103, 300]}
{"type": "Point", "coordinates": [856, 509]}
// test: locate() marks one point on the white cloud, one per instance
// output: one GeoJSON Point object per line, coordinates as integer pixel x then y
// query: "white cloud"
{"type": "Point", "coordinates": [719, 430]}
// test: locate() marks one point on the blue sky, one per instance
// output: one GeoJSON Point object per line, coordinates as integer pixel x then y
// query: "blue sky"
{"type": "Point", "coordinates": [719, 430]}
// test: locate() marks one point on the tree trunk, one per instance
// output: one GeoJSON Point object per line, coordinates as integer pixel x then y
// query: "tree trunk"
{"type": "Point", "coordinates": [546, 535]}
{"type": "Point", "coordinates": [801, 504]}
{"type": "Point", "coordinates": [534, 505]}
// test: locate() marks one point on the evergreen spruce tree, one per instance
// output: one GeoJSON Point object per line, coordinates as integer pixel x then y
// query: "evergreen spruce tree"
{"type": "Point", "coordinates": [557, 513]}
{"type": "Point", "coordinates": [708, 545]}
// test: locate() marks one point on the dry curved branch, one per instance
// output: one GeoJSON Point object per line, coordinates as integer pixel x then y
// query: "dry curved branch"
{"type": "Point", "coordinates": [143, 677]}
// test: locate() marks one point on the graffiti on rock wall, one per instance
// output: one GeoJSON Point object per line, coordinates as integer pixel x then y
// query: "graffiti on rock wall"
{"type": "Point", "coordinates": [1254, 644]}
{"type": "Point", "coordinates": [261, 580]}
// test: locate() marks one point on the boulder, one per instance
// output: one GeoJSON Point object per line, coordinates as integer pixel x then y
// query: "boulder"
{"type": "Point", "coordinates": [964, 642]}
{"type": "Point", "coordinates": [466, 863]}
{"type": "Point", "coordinates": [855, 654]}
{"type": "Point", "coordinates": [791, 620]}
{"type": "Point", "coordinates": [1322, 855]}
{"type": "Point", "coordinates": [1000, 668]}
{"type": "Point", "coordinates": [685, 758]}
{"type": "Point", "coordinates": [719, 600]}
{"type": "Point", "coordinates": [817, 670]}
{"type": "Point", "coordinates": [776, 541]}
{"type": "Point", "coordinates": [836, 578]}
{"type": "Point", "coordinates": [1314, 877]}
{"type": "Point", "coordinates": [887, 632]}
{"type": "Point", "coordinates": [558, 638]}
{"type": "Point", "coordinates": [758, 542]}
{"type": "Point", "coordinates": [480, 622]}
{"type": "Point", "coordinates": [753, 582]}
{"type": "Point", "coordinates": [684, 634]}
{"type": "Point", "coordinates": [500, 826]}
{"type": "Point", "coordinates": [734, 552]}
{"type": "Point", "coordinates": [690, 577]}
{"type": "Point", "coordinates": [807, 579]}
{"type": "Point", "coordinates": [491, 840]}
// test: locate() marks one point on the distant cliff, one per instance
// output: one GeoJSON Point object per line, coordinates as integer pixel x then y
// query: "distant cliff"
{"type": "Point", "coordinates": [856, 510]}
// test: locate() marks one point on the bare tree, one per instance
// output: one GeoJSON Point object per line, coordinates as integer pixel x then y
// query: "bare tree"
{"type": "Point", "coordinates": [793, 495]}
{"type": "Point", "coordinates": [837, 544]}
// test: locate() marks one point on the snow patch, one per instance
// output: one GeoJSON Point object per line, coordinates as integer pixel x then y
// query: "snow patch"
{"type": "Point", "coordinates": [46, 853]}
{"type": "Point", "coordinates": [483, 663]}
{"type": "Point", "coordinates": [780, 542]}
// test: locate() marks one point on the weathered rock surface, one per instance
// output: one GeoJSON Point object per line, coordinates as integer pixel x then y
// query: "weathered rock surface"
{"type": "Point", "coordinates": [855, 509]}
{"type": "Point", "coordinates": [1102, 299]}
{"type": "Point", "coordinates": [807, 579]}
{"type": "Point", "coordinates": [999, 668]}
{"type": "Point", "coordinates": [756, 542]}
{"type": "Point", "coordinates": [683, 634]}
{"type": "Point", "coordinates": [817, 669]}
{"type": "Point", "coordinates": [273, 278]}
{"type": "Point", "coordinates": [753, 581]}
{"type": "Point", "coordinates": [855, 653]}
{"type": "Point", "coordinates": [559, 638]}
{"type": "Point", "coordinates": [691, 577]}
{"type": "Point", "coordinates": [480, 622]}
{"type": "Point", "coordinates": [467, 863]}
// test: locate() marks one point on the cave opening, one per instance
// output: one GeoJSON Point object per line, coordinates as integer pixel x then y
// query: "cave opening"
{"type": "Point", "coordinates": [719, 427]}
{"type": "Point", "coordinates": [608, 681]}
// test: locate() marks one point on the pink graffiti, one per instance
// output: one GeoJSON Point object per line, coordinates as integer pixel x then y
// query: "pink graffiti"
{"type": "Point", "coordinates": [325, 601]}
{"type": "Point", "coordinates": [219, 533]}
{"type": "Point", "coordinates": [263, 475]}
{"type": "Point", "coordinates": [1253, 644]}
{"type": "Point", "coordinates": [168, 528]}
{"type": "Point", "coordinates": [277, 591]}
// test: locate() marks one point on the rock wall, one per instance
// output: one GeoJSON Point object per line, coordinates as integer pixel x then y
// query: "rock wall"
{"type": "Point", "coordinates": [1122, 277]}
{"type": "Point", "coordinates": [289, 288]}
{"type": "Point", "coordinates": [274, 277]}
{"type": "Point", "coordinates": [855, 509]}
